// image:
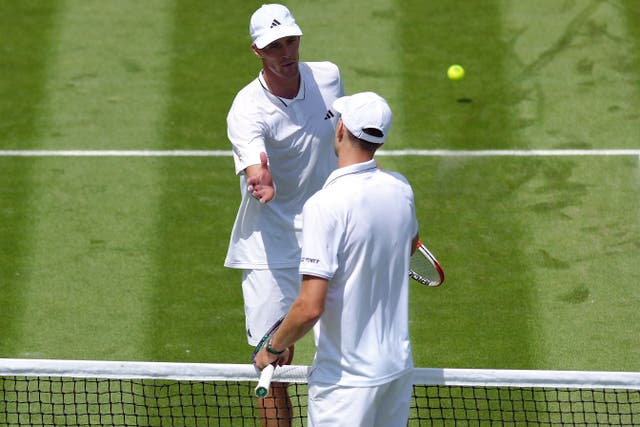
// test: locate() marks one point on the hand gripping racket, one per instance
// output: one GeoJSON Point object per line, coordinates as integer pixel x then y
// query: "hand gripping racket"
{"type": "Point", "coordinates": [262, 389]}
{"type": "Point", "coordinates": [424, 268]}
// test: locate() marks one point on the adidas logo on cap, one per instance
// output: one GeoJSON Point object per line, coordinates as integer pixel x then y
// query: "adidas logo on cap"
{"type": "Point", "coordinates": [270, 23]}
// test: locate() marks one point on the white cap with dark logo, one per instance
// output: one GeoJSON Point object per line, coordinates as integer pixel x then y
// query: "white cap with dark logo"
{"type": "Point", "coordinates": [365, 110]}
{"type": "Point", "coordinates": [270, 23]}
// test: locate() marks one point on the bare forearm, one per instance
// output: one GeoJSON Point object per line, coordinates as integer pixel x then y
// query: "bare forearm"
{"type": "Point", "coordinates": [296, 325]}
{"type": "Point", "coordinates": [303, 314]}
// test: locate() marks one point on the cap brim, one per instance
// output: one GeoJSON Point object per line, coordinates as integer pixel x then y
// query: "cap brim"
{"type": "Point", "coordinates": [277, 33]}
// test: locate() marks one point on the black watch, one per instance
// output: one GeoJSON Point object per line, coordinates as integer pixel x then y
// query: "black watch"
{"type": "Point", "coordinates": [271, 350]}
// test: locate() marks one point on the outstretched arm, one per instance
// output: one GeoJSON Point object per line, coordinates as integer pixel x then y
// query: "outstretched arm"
{"type": "Point", "coordinates": [259, 180]}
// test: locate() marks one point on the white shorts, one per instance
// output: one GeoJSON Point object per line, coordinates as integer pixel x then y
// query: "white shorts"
{"type": "Point", "coordinates": [268, 294]}
{"type": "Point", "coordinates": [386, 405]}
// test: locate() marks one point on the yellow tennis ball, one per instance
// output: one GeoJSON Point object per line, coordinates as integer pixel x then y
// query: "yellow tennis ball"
{"type": "Point", "coordinates": [455, 72]}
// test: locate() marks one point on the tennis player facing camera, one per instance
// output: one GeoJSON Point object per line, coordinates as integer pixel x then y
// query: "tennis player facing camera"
{"type": "Point", "coordinates": [281, 128]}
{"type": "Point", "coordinates": [358, 236]}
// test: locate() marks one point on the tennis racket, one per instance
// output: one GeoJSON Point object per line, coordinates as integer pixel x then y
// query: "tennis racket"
{"type": "Point", "coordinates": [264, 382]}
{"type": "Point", "coordinates": [424, 268]}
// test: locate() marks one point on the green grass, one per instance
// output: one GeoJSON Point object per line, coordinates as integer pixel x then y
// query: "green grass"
{"type": "Point", "coordinates": [527, 284]}
{"type": "Point", "coordinates": [121, 258]}
{"type": "Point", "coordinates": [24, 42]}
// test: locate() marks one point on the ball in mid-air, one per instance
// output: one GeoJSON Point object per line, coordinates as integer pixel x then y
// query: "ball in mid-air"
{"type": "Point", "coordinates": [455, 72]}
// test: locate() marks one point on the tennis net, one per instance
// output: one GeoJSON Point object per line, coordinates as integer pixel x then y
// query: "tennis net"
{"type": "Point", "coordinates": [104, 393]}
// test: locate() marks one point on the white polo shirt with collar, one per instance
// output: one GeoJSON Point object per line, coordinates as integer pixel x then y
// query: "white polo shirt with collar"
{"type": "Point", "coordinates": [357, 234]}
{"type": "Point", "coordinates": [297, 135]}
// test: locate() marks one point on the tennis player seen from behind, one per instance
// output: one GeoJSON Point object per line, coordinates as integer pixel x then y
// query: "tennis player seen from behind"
{"type": "Point", "coordinates": [281, 129]}
{"type": "Point", "coordinates": [359, 233]}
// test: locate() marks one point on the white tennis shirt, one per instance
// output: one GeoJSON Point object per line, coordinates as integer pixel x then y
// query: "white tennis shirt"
{"type": "Point", "coordinates": [297, 135]}
{"type": "Point", "coordinates": [357, 233]}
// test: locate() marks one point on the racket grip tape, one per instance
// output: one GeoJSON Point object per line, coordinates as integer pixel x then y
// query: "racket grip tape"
{"type": "Point", "coordinates": [262, 389]}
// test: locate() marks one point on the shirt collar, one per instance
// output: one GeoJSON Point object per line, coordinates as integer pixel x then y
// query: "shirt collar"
{"type": "Point", "coordinates": [350, 170]}
{"type": "Point", "coordinates": [285, 101]}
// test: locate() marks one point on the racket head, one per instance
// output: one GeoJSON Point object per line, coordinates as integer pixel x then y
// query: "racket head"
{"type": "Point", "coordinates": [424, 268]}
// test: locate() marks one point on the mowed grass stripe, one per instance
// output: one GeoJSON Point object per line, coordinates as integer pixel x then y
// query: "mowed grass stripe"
{"type": "Point", "coordinates": [195, 304]}
{"type": "Point", "coordinates": [466, 215]}
{"type": "Point", "coordinates": [25, 27]}
{"type": "Point", "coordinates": [632, 15]}
{"type": "Point", "coordinates": [25, 30]}
{"type": "Point", "coordinates": [584, 256]}
{"type": "Point", "coordinates": [361, 37]}
{"type": "Point", "coordinates": [107, 82]}
{"type": "Point", "coordinates": [573, 65]}
{"type": "Point", "coordinates": [91, 263]}
{"type": "Point", "coordinates": [437, 113]}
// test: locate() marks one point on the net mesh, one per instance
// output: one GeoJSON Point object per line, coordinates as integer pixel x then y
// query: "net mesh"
{"type": "Point", "coordinates": [54, 393]}
{"type": "Point", "coordinates": [524, 406]}
{"type": "Point", "coordinates": [53, 401]}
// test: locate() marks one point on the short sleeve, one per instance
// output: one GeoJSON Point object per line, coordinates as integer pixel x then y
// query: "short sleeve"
{"type": "Point", "coordinates": [321, 234]}
{"type": "Point", "coordinates": [246, 133]}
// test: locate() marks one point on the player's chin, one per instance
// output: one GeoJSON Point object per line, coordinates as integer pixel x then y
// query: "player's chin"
{"type": "Point", "coordinates": [291, 68]}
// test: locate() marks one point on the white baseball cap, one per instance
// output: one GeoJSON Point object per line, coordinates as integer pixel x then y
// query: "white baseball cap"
{"type": "Point", "coordinates": [270, 23]}
{"type": "Point", "coordinates": [365, 110]}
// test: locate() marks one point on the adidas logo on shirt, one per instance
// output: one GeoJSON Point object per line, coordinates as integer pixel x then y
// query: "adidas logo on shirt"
{"type": "Point", "coordinates": [275, 23]}
{"type": "Point", "coordinates": [329, 115]}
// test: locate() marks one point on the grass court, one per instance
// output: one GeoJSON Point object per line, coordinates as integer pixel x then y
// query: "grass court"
{"type": "Point", "coordinates": [120, 257]}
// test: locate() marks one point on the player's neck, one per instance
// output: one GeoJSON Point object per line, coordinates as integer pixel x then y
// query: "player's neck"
{"type": "Point", "coordinates": [284, 87]}
{"type": "Point", "coordinates": [351, 155]}
{"type": "Point", "coordinates": [344, 162]}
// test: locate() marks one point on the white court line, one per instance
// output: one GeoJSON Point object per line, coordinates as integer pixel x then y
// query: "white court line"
{"type": "Point", "coordinates": [390, 153]}
{"type": "Point", "coordinates": [114, 153]}
{"type": "Point", "coordinates": [509, 153]}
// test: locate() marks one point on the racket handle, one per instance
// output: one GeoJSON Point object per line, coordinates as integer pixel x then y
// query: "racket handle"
{"type": "Point", "coordinates": [262, 389]}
